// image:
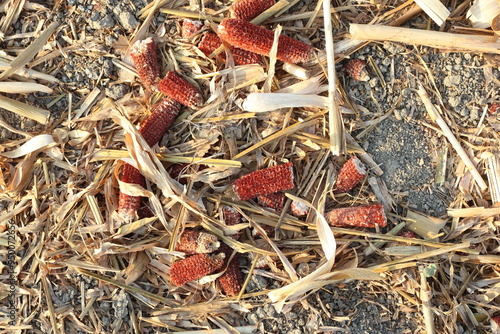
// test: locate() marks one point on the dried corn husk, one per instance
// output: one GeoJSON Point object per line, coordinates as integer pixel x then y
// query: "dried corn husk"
{"type": "Point", "coordinates": [482, 12]}
{"type": "Point", "coordinates": [435, 9]}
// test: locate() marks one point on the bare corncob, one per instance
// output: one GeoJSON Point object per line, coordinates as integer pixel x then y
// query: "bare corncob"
{"type": "Point", "coordinates": [264, 181]}
{"type": "Point", "coordinates": [231, 281]}
{"type": "Point", "coordinates": [153, 128]}
{"type": "Point", "coordinates": [195, 242]}
{"type": "Point", "coordinates": [195, 267]}
{"type": "Point", "coordinates": [211, 42]}
{"type": "Point", "coordinates": [299, 209]}
{"type": "Point", "coordinates": [356, 69]}
{"type": "Point", "coordinates": [493, 108]}
{"type": "Point", "coordinates": [127, 204]}
{"type": "Point", "coordinates": [231, 217]}
{"type": "Point", "coordinates": [351, 173]}
{"type": "Point", "coordinates": [249, 9]}
{"type": "Point", "coordinates": [174, 86]}
{"type": "Point", "coordinates": [190, 27]}
{"type": "Point", "coordinates": [360, 216]}
{"type": "Point", "coordinates": [145, 58]}
{"type": "Point", "coordinates": [250, 37]}
{"type": "Point", "coordinates": [275, 201]}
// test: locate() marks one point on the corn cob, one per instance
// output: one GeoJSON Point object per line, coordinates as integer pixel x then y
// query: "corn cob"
{"type": "Point", "coordinates": [195, 267]}
{"type": "Point", "coordinates": [250, 37]}
{"type": "Point", "coordinates": [360, 216]}
{"type": "Point", "coordinates": [493, 108]}
{"type": "Point", "coordinates": [247, 10]}
{"type": "Point", "coordinates": [211, 42]}
{"type": "Point", "coordinates": [231, 281]}
{"type": "Point", "coordinates": [127, 204]}
{"type": "Point", "coordinates": [356, 69]}
{"type": "Point", "coordinates": [350, 175]}
{"type": "Point", "coordinates": [299, 209]}
{"type": "Point", "coordinates": [175, 87]}
{"type": "Point", "coordinates": [145, 58]}
{"type": "Point", "coordinates": [275, 201]}
{"type": "Point", "coordinates": [264, 181]}
{"type": "Point", "coordinates": [231, 217]}
{"type": "Point", "coordinates": [408, 234]}
{"type": "Point", "coordinates": [195, 242]}
{"type": "Point", "coordinates": [190, 27]}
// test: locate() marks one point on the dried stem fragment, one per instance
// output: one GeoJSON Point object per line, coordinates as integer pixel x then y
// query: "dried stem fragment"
{"type": "Point", "coordinates": [251, 37]}
{"type": "Point", "coordinates": [360, 216]}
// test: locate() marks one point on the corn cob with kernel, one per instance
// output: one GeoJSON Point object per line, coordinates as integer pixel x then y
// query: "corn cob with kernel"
{"type": "Point", "coordinates": [195, 267]}
{"type": "Point", "coordinates": [231, 281]}
{"type": "Point", "coordinates": [190, 27]}
{"type": "Point", "coordinates": [360, 216]}
{"type": "Point", "coordinates": [145, 58]}
{"type": "Point", "coordinates": [153, 128]}
{"type": "Point", "coordinates": [195, 242]}
{"type": "Point", "coordinates": [177, 88]}
{"type": "Point", "coordinates": [231, 217]}
{"type": "Point", "coordinates": [356, 69]}
{"type": "Point", "coordinates": [299, 209]}
{"type": "Point", "coordinates": [264, 181]}
{"type": "Point", "coordinates": [211, 42]}
{"type": "Point", "coordinates": [249, 9]}
{"type": "Point", "coordinates": [351, 173]}
{"type": "Point", "coordinates": [275, 201]}
{"type": "Point", "coordinates": [493, 108]}
{"type": "Point", "coordinates": [250, 37]}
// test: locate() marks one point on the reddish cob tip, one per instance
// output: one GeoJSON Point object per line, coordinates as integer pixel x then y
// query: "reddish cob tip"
{"type": "Point", "coordinates": [211, 42]}
{"type": "Point", "coordinates": [190, 27]}
{"type": "Point", "coordinates": [157, 124]}
{"type": "Point", "coordinates": [195, 267]}
{"type": "Point", "coordinates": [145, 58]}
{"type": "Point", "coordinates": [299, 209]}
{"type": "Point", "coordinates": [351, 173]}
{"type": "Point", "coordinates": [493, 108]}
{"type": "Point", "coordinates": [360, 216]}
{"type": "Point", "coordinates": [127, 204]}
{"type": "Point", "coordinates": [264, 181]}
{"type": "Point", "coordinates": [250, 37]}
{"type": "Point", "coordinates": [231, 217]}
{"type": "Point", "coordinates": [356, 69]}
{"type": "Point", "coordinates": [177, 88]}
{"type": "Point", "coordinates": [231, 281]}
{"type": "Point", "coordinates": [194, 242]}
{"type": "Point", "coordinates": [247, 10]}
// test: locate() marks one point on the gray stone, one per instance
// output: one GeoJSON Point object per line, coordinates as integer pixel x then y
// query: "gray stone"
{"type": "Point", "coordinates": [117, 91]}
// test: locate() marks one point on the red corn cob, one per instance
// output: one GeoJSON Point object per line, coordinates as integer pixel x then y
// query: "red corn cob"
{"type": "Point", "coordinates": [360, 216]}
{"type": "Point", "coordinates": [195, 267]}
{"type": "Point", "coordinates": [493, 108]}
{"type": "Point", "coordinates": [231, 217]}
{"type": "Point", "coordinates": [264, 181]}
{"type": "Point", "coordinates": [195, 242]}
{"type": "Point", "coordinates": [176, 171]}
{"type": "Point", "coordinates": [190, 27]}
{"type": "Point", "coordinates": [127, 204]}
{"type": "Point", "coordinates": [496, 319]}
{"type": "Point", "coordinates": [275, 201]}
{"type": "Point", "coordinates": [249, 9]}
{"type": "Point", "coordinates": [299, 209]}
{"type": "Point", "coordinates": [174, 86]}
{"type": "Point", "coordinates": [145, 58]}
{"type": "Point", "coordinates": [211, 42]}
{"type": "Point", "coordinates": [356, 69]}
{"type": "Point", "coordinates": [231, 281]}
{"type": "Point", "coordinates": [408, 234]}
{"type": "Point", "coordinates": [250, 37]}
{"type": "Point", "coordinates": [350, 174]}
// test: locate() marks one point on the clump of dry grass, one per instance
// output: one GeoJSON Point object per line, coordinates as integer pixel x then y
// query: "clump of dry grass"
{"type": "Point", "coordinates": [59, 189]}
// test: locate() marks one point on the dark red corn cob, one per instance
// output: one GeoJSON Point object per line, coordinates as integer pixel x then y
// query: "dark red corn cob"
{"type": "Point", "coordinates": [496, 319]}
{"type": "Point", "coordinates": [231, 217]}
{"type": "Point", "coordinates": [408, 234]}
{"type": "Point", "coordinates": [493, 108]}
{"type": "Point", "coordinates": [250, 37]}
{"type": "Point", "coordinates": [195, 267]}
{"type": "Point", "coordinates": [174, 86]}
{"type": "Point", "coordinates": [249, 9]}
{"type": "Point", "coordinates": [356, 69]}
{"type": "Point", "coordinates": [127, 204]}
{"type": "Point", "coordinates": [275, 201]}
{"type": "Point", "coordinates": [350, 175]}
{"type": "Point", "coordinates": [264, 181]}
{"type": "Point", "coordinates": [145, 58]}
{"type": "Point", "coordinates": [161, 118]}
{"type": "Point", "coordinates": [231, 281]}
{"type": "Point", "coordinates": [176, 171]}
{"type": "Point", "coordinates": [211, 42]}
{"type": "Point", "coordinates": [360, 216]}
{"type": "Point", "coordinates": [190, 27]}
{"type": "Point", "coordinates": [195, 242]}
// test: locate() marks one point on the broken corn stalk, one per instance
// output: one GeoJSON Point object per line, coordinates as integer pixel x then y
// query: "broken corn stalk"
{"type": "Point", "coordinates": [275, 201]}
{"type": "Point", "coordinates": [211, 42]}
{"type": "Point", "coordinates": [190, 27]}
{"type": "Point", "coordinates": [350, 175]}
{"type": "Point", "coordinates": [177, 88]}
{"type": "Point", "coordinates": [195, 267]}
{"type": "Point", "coordinates": [249, 9]}
{"type": "Point", "coordinates": [231, 281]}
{"type": "Point", "coordinates": [250, 37]}
{"type": "Point", "coordinates": [145, 58]}
{"type": "Point", "coordinates": [195, 242]}
{"type": "Point", "coordinates": [360, 216]}
{"type": "Point", "coordinates": [264, 181]}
